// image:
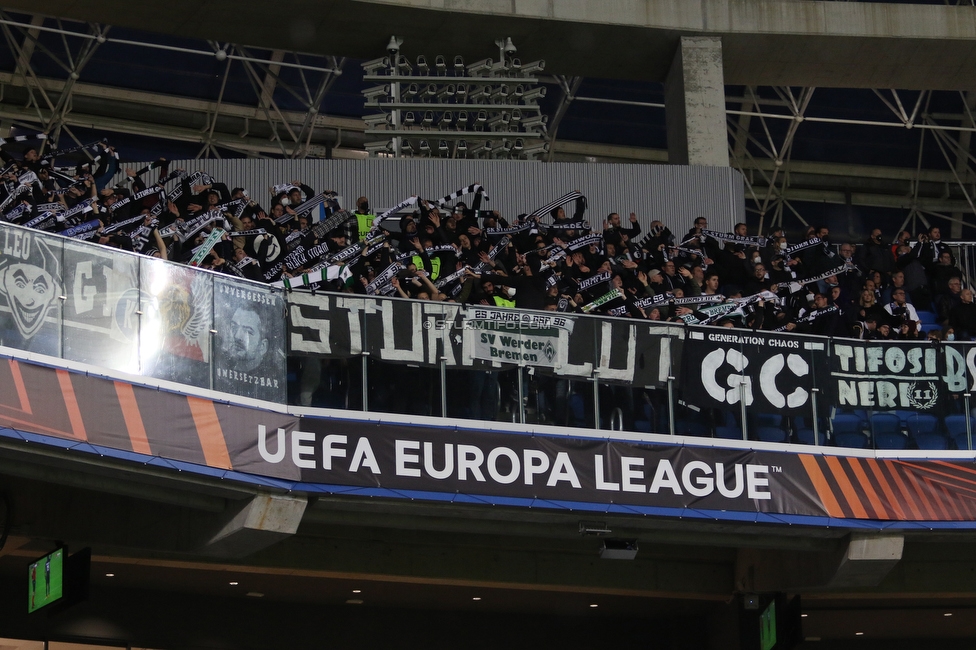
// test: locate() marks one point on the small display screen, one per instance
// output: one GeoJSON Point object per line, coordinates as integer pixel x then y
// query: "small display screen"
{"type": "Point", "coordinates": [767, 627]}
{"type": "Point", "coordinates": [45, 580]}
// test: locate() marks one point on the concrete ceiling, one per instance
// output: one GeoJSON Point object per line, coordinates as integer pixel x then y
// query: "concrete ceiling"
{"type": "Point", "coordinates": [765, 42]}
{"type": "Point", "coordinates": [429, 562]}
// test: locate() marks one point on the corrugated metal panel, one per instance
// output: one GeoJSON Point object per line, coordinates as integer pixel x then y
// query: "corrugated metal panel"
{"type": "Point", "coordinates": [674, 194]}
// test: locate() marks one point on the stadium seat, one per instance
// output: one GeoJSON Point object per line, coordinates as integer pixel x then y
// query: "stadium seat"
{"type": "Point", "coordinates": [851, 439]}
{"type": "Point", "coordinates": [927, 317]}
{"type": "Point", "coordinates": [729, 433]}
{"type": "Point", "coordinates": [769, 420]}
{"type": "Point", "coordinates": [956, 428]}
{"type": "Point", "coordinates": [644, 425]}
{"type": "Point", "coordinates": [924, 430]}
{"type": "Point", "coordinates": [691, 428]}
{"type": "Point", "coordinates": [890, 440]}
{"type": "Point", "coordinates": [887, 433]}
{"type": "Point", "coordinates": [922, 423]}
{"type": "Point", "coordinates": [577, 410]}
{"type": "Point", "coordinates": [804, 436]}
{"type": "Point", "coordinates": [847, 423]}
{"type": "Point", "coordinates": [903, 415]}
{"type": "Point", "coordinates": [936, 440]}
{"type": "Point", "coordinates": [771, 434]}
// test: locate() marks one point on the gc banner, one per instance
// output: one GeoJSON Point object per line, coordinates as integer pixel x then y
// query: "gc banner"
{"type": "Point", "coordinates": [769, 371]}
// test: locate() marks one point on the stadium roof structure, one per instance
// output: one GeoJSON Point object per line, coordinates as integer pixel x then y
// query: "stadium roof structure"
{"type": "Point", "coordinates": [845, 114]}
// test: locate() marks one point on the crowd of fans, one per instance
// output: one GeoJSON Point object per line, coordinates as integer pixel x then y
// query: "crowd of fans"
{"type": "Point", "coordinates": [452, 249]}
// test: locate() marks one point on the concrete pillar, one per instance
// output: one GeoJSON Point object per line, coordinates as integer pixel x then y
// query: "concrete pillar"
{"type": "Point", "coordinates": [862, 561]}
{"type": "Point", "coordinates": [867, 560]}
{"type": "Point", "coordinates": [257, 524]}
{"type": "Point", "coordinates": [694, 97]}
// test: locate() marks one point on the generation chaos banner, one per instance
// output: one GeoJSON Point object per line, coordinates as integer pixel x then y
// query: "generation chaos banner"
{"type": "Point", "coordinates": [342, 454]}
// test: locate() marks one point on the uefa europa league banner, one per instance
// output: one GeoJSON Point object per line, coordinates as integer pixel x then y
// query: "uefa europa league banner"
{"type": "Point", "coordinates": [83, 413]}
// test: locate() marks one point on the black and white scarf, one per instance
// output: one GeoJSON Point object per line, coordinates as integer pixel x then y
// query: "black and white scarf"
{"type": "Point", "coordinates": [812, 316]}
{"type": "Point", "coordinates": [592, 281]}
{"type": "Point", "coordinates": [16, 211]}
{"type": "Point", "coordinates": [561, 201]}
{"type": "Point", "coordinates": [474, 188]}
{"type": "Point", "coordinates": [138, 196]}
{"type": "Point", "coordinates": [493, 252]}
{"type": "Point", "coordinates": [613, 294]}
{"type": "Point", "coordinates": [803, 245]}
{"type": "Point", "coordinates": [399, 206]}
{"type": "Point", "coordinates": [582, 226]}
{"type": "Point", "coordinates": [585, 240]}
{"type": "Point", "coordinates": [384, 278]}
{"type": "Point", "coordinates": [44, 221]}
{"type": "Point", "coordinates": [797, 286]}
{"type": "Point", "coordinates": [512, 230]}
{"type": "Point", "coordinates": [85, 230]}
{"type": "Point", "coordinates": [748, 240]}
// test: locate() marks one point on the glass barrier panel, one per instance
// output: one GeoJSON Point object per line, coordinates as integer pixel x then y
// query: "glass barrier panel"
{"type": "Point", "coordinates": [175, 340]}
{"type": "Point", "coordinates": [103, 307]}
{"type": "Point", "coordinates": [31, 291]}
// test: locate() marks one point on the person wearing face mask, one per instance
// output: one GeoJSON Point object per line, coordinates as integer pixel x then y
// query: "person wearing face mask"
{"type": "Point", "coordinates": [875, 256]}
{"type": "Point", "coordinates": [364, 218]}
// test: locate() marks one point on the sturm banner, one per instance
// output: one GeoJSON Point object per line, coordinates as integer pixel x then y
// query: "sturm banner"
{"type": "Point", "coordinates": [422, 333]}
{"type": "Point", "coordinates": [435, 463]}
{"type": "Point", "coordinates": [768, 372]}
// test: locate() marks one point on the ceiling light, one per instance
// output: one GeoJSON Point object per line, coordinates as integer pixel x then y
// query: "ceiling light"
{"type": "Point", "coordinates": [476, 598]}
{"type": "Point", "coordinates": [948, 614]}
{"type": "Point", "coordinates": [803, 615]}
{"type": "Point", "coordinates": [357, 591]}
{"type": "Point", "coordinates": [593, 605]}
{"type": "Point", "coordinates": [112, 575]}
{"type": "Point", "coordinates": [859, 634]}
{"type": "Point", "coordinates": [233, 583]}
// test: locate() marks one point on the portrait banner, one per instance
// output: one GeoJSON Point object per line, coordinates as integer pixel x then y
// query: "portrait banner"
{"type": "Point", "coordinates": [30, 286]}
{"type": "Point", "coordinates": [177, 316]}
{"type": "Point", "coordinates": [249, 357]}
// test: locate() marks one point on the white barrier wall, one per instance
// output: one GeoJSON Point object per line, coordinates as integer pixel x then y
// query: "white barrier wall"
{"type": "Point", "coordinates": [674, 194]}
